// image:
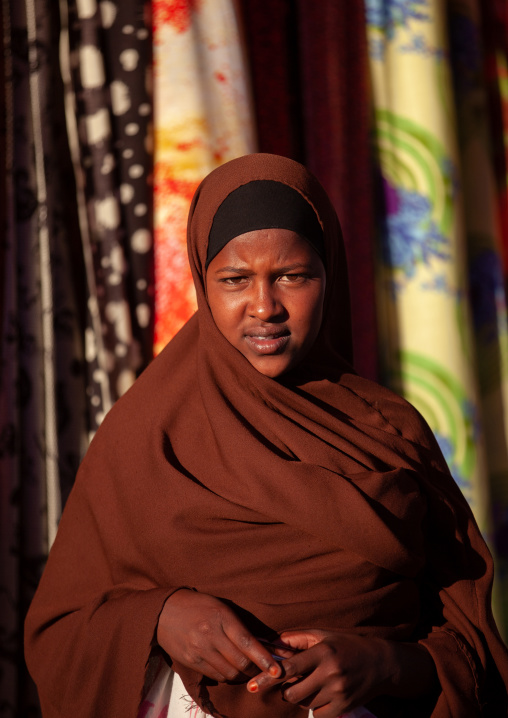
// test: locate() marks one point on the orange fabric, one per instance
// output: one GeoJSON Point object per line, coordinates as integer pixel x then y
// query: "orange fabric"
{"type": "Point", "coordinates": [319, 500]}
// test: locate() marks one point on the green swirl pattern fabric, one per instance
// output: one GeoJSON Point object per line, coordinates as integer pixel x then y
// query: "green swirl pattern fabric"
{"type": "Point", "coordinates": [440, 290]}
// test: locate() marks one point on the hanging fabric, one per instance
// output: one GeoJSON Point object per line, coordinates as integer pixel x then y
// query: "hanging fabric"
{"type": "Point", "coordinates": [106, 51]}
{"type": "Point", "coordinates": [312, 99]}
{"type": "Point", "coordinates": [271, 32]}
{"type": "Point", "coordinates": [56, 151]}
{"type": "Point", "coordinates": [203, 118]}
{"type": "Point", "coordinates": [430, 354]}
{"type": "Point", "coordinates": [484, 260]}
{"type": "Point", "coordinates": [42, 398]}
{"type": "Point", "coordinates": [337, 111]}
{"type": "Point", "coordinates": [494, 27]}
{"type": "Point", "coordinates": [494, 32]}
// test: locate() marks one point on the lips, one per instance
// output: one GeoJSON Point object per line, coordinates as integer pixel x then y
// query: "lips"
{"type": "Point", "coordinates": [266, 340]}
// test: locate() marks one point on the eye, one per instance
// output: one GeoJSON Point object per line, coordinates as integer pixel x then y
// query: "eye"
{"type": "Point", "coordinates": [294, 278]}
{"type": "Point", "coordinates": [233, 281]}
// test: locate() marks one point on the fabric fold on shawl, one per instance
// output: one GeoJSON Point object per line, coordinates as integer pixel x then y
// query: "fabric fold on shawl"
{"type": "Point", "coordinates": [320, 500]}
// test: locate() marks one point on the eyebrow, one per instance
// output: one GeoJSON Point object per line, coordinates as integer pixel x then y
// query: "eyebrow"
{"type": "Point", "coordinates": [287, 268]}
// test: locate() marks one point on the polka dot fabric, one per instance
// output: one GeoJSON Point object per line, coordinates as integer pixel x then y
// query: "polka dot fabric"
{"type": "Point", "coordinates": [110, 64]}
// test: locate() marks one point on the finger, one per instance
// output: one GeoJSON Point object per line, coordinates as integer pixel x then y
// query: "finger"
{"type": "Point", "coordinates": [327, 700]}
{"type": "Point", "coordinates": [298, 665]}
{"type": "Point", "coordinates": [301, 663]}
{"type": "Point", "coordinates": [223, 666]}
{"type": "Point", "coordinates": [277, 649]}
{"type": "Point", "coordinates": [291, 670]}
{"type": "Point", "coordinates": [207, 669]}
{"type": "Point", "coordinates": [324, 703]}
{"type": "Point", "coordinates": [307, 690]}
{"type": "Point", "coordinates": [263, 681]}
{"type": "Point", "coordinates": [238, 660]}
{"type": "Point", "coordinates": [251, 647]}
{"type": "Point", "coordinates": [215, 656]}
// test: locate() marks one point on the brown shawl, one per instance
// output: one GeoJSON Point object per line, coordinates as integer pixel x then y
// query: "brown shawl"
{"type": "Point", "coordinates": [317, 500]}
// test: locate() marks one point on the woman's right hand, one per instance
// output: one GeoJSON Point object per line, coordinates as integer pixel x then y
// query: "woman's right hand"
{"type": "Point", "coordinates": [204, 634]}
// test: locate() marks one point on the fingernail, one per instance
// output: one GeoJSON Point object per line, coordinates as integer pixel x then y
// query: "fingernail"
{"type": "Point", "coordinates": [274, 671]}
{"type": "Point", "coordinates": [252, 686]}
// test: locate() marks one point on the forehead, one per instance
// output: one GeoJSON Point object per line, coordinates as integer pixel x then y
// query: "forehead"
{"type": "Point", "coordinates": [267, 245]}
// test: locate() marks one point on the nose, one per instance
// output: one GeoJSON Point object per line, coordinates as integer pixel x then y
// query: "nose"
{"type": "Point", "coordinates": [265, 303]}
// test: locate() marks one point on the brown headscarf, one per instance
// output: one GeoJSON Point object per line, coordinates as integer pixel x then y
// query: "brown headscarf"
{"type": "Point", "coordinates": [319, 500]}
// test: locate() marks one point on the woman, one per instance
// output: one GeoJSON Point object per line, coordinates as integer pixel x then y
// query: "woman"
{"type": "Point", "coordinates": [251, 491]}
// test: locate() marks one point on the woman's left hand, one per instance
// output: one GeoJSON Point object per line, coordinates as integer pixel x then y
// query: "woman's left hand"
{"type": "Point", "coordinates": [336, 672]}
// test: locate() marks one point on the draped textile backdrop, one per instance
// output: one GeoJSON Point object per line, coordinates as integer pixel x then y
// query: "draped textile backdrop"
{"type": "Point", "coordinates": [203, 118]}
{"type": "Point", "coordinates": [77, 268]}
{"type": "Point", "coordinates": [401, 109]}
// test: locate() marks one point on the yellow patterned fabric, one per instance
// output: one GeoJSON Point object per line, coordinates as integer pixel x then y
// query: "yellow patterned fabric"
{"type": "Point", "coordinates": [202, 119]}
{"type": "Point", "coordinates": [441, 294]}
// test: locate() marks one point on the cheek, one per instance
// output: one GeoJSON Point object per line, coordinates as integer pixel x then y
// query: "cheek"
{"type": "Point", "coordinates": [225, 311]}
{"type": "Point", "coordinates": [310, 314]}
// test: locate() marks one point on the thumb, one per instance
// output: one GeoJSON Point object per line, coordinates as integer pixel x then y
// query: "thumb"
{"type": "Point", "coordinates": [302, 640]}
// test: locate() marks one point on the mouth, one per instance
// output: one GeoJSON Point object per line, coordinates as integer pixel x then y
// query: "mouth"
{"type": "Point", "coordinates": [265, 341]}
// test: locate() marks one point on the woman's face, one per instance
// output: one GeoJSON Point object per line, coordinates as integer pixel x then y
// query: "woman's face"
{"type": "Point", "coordinates": [266, 290]}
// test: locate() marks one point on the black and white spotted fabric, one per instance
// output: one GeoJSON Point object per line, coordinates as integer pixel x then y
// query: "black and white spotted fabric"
{"type": "Point", "coordinates": [109, 57]}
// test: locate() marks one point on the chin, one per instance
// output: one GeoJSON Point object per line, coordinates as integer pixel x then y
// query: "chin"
{"type": "Point", "coordinates": [268, 367]}
{"type": "Point", "coordinates": [271, 366]}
